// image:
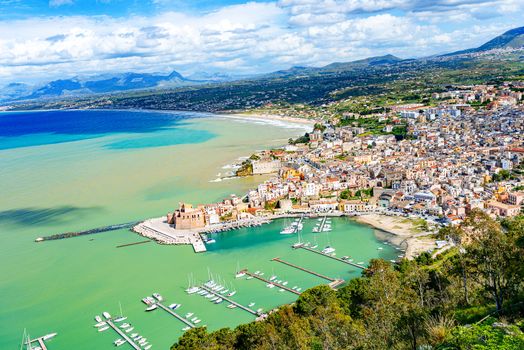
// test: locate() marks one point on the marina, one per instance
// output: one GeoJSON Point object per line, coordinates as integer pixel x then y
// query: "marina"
{"type": "Point", "coordinates": [40, 341]}
{"type": "Point", "coordinates": [269, 282]}
{"type": "Point", "coordinates": [173, 313]}
{"type": "Point", "coordinates": [122, 334]}
{"type": "Point", "coordinates": [330, 256]}
{"type": "Point", "coordinates": [231, 301]}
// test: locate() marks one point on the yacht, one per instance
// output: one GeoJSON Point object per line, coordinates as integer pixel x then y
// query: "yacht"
{"type": "Point", "coordinates": [152, 307]}
{"type": "Point", "coordinates": [158, 297]}
{"type": "Point", "coordinates": [219, 300]}
{"type": "Point", "coordinates": [288, 230]}
{"type": "Point", "coordinates": [174, 306]}
{"type": "Point", "coordinates": [101, 329]}
{"type": "Point", "coordinates": [274, 277]}
{"type": "Point", "coordinates": [119, 342]}
{"type": "Point", "coordinates": [284, 283]}
{"type": "Point", "coordinates": [314, 247]}
{"type": "Point", "coordinates": [257, 272]}
{"type": "Point", "coordinates": [380, 248]}
{"type": "Point", "coordinates": [125, 325]}
{"type": "Point", "coordinates": [240, 274]}
{"type": "Point", "coordinates": [197, 321]}
{"type": "Point", "coordinates": [230, 294]}
{"type": "Point", "coordinates": [210, 241]}
{"type": "Point", "coordinates": [192, 290]}
{"type": "Point", "coordinates": [328, 250]}
{"type": "Point", "coordinates": [106, 315]}
{"type": "Point", "coordinates": [134, 335]}
{"type": "Point", "coordinates": [129, 330]}
{"type": "Point", "coordinates": [194, 319]}
{"type": "Point", "coordinates": [49, 336]}
{"type": "Point", "coordinates": [249, 278]}
{"type": "Point", "coordinates": [297, 245]}
{"type": "Point", "coordinates": [231, 306]}
{"type": "Point", "coordinates": [100, 324]}
{"type": "Point", "coordinates": [98, 318]}
{"type": "Point", "coordinates": [120, 319]}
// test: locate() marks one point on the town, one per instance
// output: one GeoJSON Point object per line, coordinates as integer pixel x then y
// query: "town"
{"type": "Point", "coordinates": [462, 154]}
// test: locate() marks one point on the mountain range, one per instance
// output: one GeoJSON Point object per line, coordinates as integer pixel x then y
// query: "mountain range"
{"type": "Point", "coordinates": [512, 39]}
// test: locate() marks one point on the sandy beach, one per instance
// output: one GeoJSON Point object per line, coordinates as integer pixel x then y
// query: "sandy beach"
{"type": "Point", "coordinates": [271, 117]}
{"type": "Point", "coordinates": [403, 232]}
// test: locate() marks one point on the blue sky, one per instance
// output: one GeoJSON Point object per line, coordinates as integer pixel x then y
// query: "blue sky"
{"type": "Point", "coordinates": [42, 40]}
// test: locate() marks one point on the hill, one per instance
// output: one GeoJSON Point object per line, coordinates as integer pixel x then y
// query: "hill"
{"type": "Point", "coordinates": [512, 39]}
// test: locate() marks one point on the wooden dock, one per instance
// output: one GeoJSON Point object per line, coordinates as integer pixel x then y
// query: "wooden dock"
{"type": "Point", "coordinates": [123, 335]}
{"type": "Point", "coordinates": [231, 301]}
{"type": "Point", "coordinates": [173, 313]}
{"type": "Point", "coordinates": [304, 269]}
{"type": "Point", "coordinates": [268, 281]}
{"type": "Point", "coordinates": [332, 257]}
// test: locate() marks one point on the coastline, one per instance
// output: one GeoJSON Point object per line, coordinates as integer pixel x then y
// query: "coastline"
{"type": "Point", "coordinates": [268, 117]}
{"type": "Point", "coordinates": [400, 231]}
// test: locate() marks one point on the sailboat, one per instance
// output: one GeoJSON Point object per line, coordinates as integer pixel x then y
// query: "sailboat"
{"type": "Point", "coordinates": [121, 317]}
{"type": "Point", "coordinates": [299, 243]}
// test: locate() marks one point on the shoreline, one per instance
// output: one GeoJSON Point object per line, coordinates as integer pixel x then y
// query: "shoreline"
{"type": "Point", "coordinates": [268, 117]}
{"type": "Point", "coordinates": [399, 232]}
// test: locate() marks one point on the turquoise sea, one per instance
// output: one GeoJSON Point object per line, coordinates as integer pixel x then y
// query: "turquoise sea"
{"type": "Point", "coordinates": [72, 170]}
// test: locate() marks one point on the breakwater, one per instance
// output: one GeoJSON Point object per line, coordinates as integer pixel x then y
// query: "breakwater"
{"type": "Point", "coordinates": [86, 232]}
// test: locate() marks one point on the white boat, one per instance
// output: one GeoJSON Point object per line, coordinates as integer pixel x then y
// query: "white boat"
{"type": "Point", "coordinates": [251, 304]}
{"type": "Point", "coordinates": [257, 272]}
{"type": "Point", "coordinates": [230, 294]}
{"type": "Point", "coordinates": [231, 306]}
{"type": "Point", "coordinates": [380, 248]}
{"type": "Point", "coordinates": [270, 285]}
{"type": "Point", "coordinates": [192, 290]}
{"type": "Point", "coordinates": [98, 318]}
{"type": "Point", "coordinates": [129, 330]}
{"type": "Point", "coordinates": [281, 290]}
{"type": "Point", "coordinates": [297, 245]}
{"type": "Point", "coordinates": [210, 241]}
{"type": "Point", "coordinates": [174, 306]}
{"type": "Point", "coordinates": [106, 315]}
{"type": "Point", "coordinates": [146, 301]}
{"type": "Point", "coordinates": [299, 289]}
{"type": "Point", "coordinates": [249, 278]}
{"type": "Point", "coordinates": [148, 347]}
{"type": "Point", "coordinates": [101, 329]}
{"type": "Point", "coordinates": [219, 300]}
{"type": "Point", "coordinates": [261, 274]}
{"type": "Point", "coordinates": [119, 342]}
{"type": "Point", "coordinates": [240, 274]}
{"type": "Point", "coordinates": [260, 310]}
{"type": "Point", "coordinates": [284, 283]}
{"type": "Point", "coordinates": [215, 298]}
{"type": "Point", "coordinates": [224, 291]}
{"type": "Point", "coordinates": [189, 314]}
{"type": "Point", "coordinates": [274, 277]}
{"type": "Point", "coordinates": [49, 336]}
{"type": "Point", "coordinates": [120, 319]}
{"type": "Point", "coordinates": [186, 328]}
{"type": "Point", "coordinates": [134, 335]}
{"type": "Point", "coordinates": [360, 263]}
{"type": "Point", "coordinates": [158, 296]}
{"type": "Point", "coordinates": [100, 324]}
{"type": "Point", "coordinates": [328, 250]}
{"type": "Point", "coordinates": [315, 246]}
{"type": "Point", "coordinates": [287, 230]}
{"type": "Point", "coordinates": [194, 319]}
{"type": "Point", "coordinates": [152, 307]}
{"type": "Point", "coordinates": [197, 321]}
{"type": "Point", "coordinates": [124, 325]}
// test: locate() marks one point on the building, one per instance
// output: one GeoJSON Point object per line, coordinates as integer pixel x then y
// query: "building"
{"type": "Point", "coordinates": [352, 206]}
{"type": "Point", "coordinates": [266, 166]}
{"type": "Point", "coordinates": [502, 209]}
{"type": "Point", "coordinates": [187, 217]}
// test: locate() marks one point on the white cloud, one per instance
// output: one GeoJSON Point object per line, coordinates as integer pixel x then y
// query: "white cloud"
{"type": "Point", "coordinates": [56, 3]}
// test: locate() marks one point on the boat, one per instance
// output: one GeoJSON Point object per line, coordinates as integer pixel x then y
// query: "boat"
{"type": "Point", "coordinates": [345, 257]}
{"type": "Point", "coordinates": [240, 274]}
{"type": "Point", "coordinates": [257, 272]}
{"type": "Point", "coordinates": [261, 274]}
{"type": "Point", "coordinates": [230, 294]}
{"type": "Point", "coordinates": [224, 291]}
{"type": "Point", "coordinates": [100, 324]}
{"type": "Point", "coordinates": [210, 241]}
{"type": "Point", "coordinates": [134, 335]}
{"type": "Point", "coordinates": [287, 230]}
{"type": "Point", "coordinates": [174, 306]}
{"type": "Point", "coordinates": [146, 301]}
{"type": "Point", "coordinates": [124, 325]}
{"type": "Point", "coordinates": [189, 314]}
{"type": "Point", "coordinates": [270, 285]}
{"type": "Point", "coordinates": [215, 298]}
{"type": "Point", "coordinates": [281, 290]}
{"type": "Point", "coordinates": [274, 277]}
{"type": "Point", "coordinates": [231, 306]}
{"type": "Point", "coordinates": [186, 328]}
{"type": "Point", "coordinates": [152, 307]}
{"type": "Point", "coordinates": [197, 321]}
{"type": "Point", "coordinates": [360, 263]}
{"type": "Point", "coordinates": [119, 342]}
{"type": "Point", "coordinates": [148, 347]}
{"type": "Point", "coordinates": [315, 246]}
{"type": "Point", "coordinates": [260, 310]}
{"type": "Point", "coordinates": [120, 319]}
{"type": "Point", "coordinates": [158, 297]}
{"type": "Point", "coordinates": [194, 319]}
{"type": "Point", "coordinates": [328, 250]}
{"type": "Point", "coordinates": [129, 329]}
{"type": "Point", "coordinates": [380, 248]}
{"type": "Point", "coordinates": [101, 329]}
{"type": "Point", "coordinates": [106, 315]}
{"type": "Point", "coordinates": [299, 289]}
{"type": "Point", "coordinates": [98, 318]}
{"type": "Point", "coordinates": [297, 245]}
{"type": "Point", "coordinates": [49, 336]}
{"type": "Point", "coordinates": [219, 300]}
{"type": "Point", "coordinates": [192, 290]}
{"type": "Point", "coordinates": [249, 278]}
{"type": "Point", "coordinates": [251, 304]}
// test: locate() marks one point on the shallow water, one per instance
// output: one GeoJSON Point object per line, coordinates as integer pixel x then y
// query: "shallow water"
{"type": "Point", "coordinates": [59, 172]}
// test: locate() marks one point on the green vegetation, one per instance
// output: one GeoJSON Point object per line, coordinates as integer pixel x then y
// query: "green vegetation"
{"type": "Point", "coordinates": [428, 303]}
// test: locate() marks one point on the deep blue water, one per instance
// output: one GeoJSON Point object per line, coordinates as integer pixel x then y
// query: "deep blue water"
{"type": "Point", "coordinates": [150, 129]}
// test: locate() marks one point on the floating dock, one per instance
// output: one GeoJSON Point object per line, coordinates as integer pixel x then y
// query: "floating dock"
{"type": "Point", "coordinates": [173, 313]}
{"type": "Point", "coordinates": [40, 342]}
{"type": "Point", "coordinates": [322, 224]}
{"type": "Point", "coordinates": [231, 301]}
{"type": "Point", "coordinates": [331, 257]}
{"type": "Point", "coordinates": [123, 335]}
{"type": "Point", "coordinates": [86, 232]}
{"type": "Point", "coordinates": [268, 281]}
{"type": "Point", "coordinates": [304, 269]}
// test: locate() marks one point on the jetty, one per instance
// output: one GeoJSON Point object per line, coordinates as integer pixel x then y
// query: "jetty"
{"type": "Point", "coordinates": [231, 301]}
{"type": "Point", "coordinates": [130, 244]}
{"type": "Point", "coordinates": [39, 340]}
{"type": "Point", "coordinates": [281, 286]}
{"type": "Point", "coordinates": [173, 313]}
{"type": "Point", "coordinates": [329, 256]}
{"type": "Point", "coordinates": [304, 269]}
{"type": "Point", "coordinates": [123, 335]}
{"type": "Point", "coordinates": [86, 232]}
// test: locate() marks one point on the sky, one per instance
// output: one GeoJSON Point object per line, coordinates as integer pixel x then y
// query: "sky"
{"type": "Point", "coordinates": [42, 40]}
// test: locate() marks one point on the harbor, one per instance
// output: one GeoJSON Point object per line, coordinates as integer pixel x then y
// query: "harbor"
{"type": "Point", "coordinates": [86, 232]}
{"type": "Point", "coordinates": [174, 314]}
{"type": "Point", "coordinates": [269, 281]}
{"type": "Point", "coordinates": [304, 269]}
{"type": "Point", "coordinates": [231, 301]}
{"type": "Point", "coordinates": [345, 261]}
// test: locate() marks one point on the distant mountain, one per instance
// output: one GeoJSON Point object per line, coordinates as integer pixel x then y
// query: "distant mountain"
{"type": "Point", "coordinates": [512, 39]}
{"type": "Point", "coordinates": [94, 85]}
{"type": "Point", "coordinates": [371, 61]}
{"type": "Point", "coordinates": [215, 77]}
